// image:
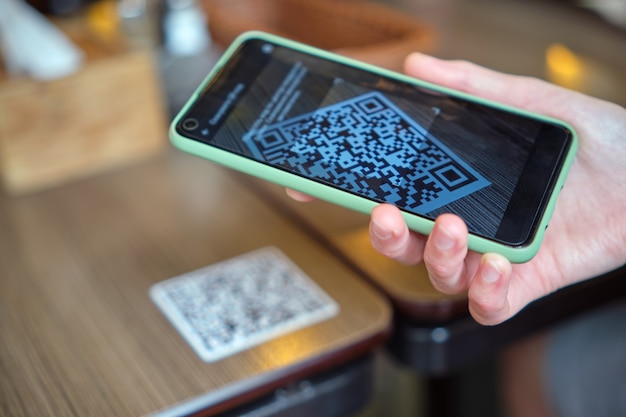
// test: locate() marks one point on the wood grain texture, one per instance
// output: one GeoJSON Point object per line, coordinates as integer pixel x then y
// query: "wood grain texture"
{"type": "Point", "coordinates": [109, 113]}
{"type": "Point", "coordinates": [408, 287]}
{"type": "Point", "coordinates": [80, 336]}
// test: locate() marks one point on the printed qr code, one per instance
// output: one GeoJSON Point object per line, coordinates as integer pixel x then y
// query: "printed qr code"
{"type": "Point", "coordinates": [369, 146]}
{"type": "Point", "coordinates": [241, 302]}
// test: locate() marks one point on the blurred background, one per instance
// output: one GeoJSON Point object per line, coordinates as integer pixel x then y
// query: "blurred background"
{"type": "Point", "coordinates": [139, 60]}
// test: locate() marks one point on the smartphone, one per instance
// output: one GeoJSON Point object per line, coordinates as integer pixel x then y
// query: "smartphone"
{"type": "Point", "coordinates": [358, 135]}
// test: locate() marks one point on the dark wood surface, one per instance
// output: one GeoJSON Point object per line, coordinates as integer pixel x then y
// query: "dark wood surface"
{"type": "Point", "coordinates": [79, 334]}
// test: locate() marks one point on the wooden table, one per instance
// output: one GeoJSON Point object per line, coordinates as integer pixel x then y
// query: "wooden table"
{"type": "Point", "coordinates": [433, 332]}
{"type": "Point", "coordinates": [346, 231]}
{"type": "Point", "coordinates": [79, 334]}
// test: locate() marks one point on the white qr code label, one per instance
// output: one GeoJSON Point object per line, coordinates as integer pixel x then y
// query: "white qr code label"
{"type": "Point", "coordinates": [241, 302]}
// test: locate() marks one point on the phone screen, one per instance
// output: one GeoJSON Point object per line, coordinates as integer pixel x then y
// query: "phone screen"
{"type": "Point", "coordinates": [381, 138]}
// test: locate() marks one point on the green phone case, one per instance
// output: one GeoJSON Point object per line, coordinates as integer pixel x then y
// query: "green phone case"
{"type": "Point", "coordinates": [516, 254]}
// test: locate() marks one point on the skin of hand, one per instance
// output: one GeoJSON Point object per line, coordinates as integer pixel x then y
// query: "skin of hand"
{"type": "Point", "coordinates": [587, 233]}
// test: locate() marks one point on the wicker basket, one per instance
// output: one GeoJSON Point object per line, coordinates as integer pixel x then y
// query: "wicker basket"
{"type": "Point", "coordinates": [360, 29]}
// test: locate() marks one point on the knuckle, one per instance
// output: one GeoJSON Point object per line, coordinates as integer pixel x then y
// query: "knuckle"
{"type": "Point", "coordinates": [441, 271]}
{"type": "Point", "coordinates": [441, 268]}
{"type": "Point", "coordinates": [444, 278]}
{"type": "Point", "coordinates": [488, 310]}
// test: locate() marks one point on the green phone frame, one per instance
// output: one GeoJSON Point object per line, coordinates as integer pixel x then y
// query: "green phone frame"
{"type": "Point", "coordinates": [516, 254]}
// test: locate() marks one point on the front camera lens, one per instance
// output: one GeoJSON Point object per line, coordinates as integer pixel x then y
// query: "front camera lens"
{"type": "Point", "coordinates": [190, 124]}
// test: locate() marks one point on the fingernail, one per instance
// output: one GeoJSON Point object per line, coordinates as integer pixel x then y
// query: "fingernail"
{"type": "Point", "coordinates": [443, 239]}
{"type": "Point", "coordinates": [381, 232]}
{"type": "Point", "coordinates": [490, 272]}
{"type": "Point", "coordinates": [418, 55]}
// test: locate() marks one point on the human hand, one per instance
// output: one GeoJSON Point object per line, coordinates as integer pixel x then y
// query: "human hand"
{"type": "Point", "coordinates": [587, 233]}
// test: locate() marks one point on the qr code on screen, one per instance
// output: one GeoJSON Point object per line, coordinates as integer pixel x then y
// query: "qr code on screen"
{"type": "Point", "coordinates": [241, 302]}
{"type": "Point", "coordinates": [368, 146]}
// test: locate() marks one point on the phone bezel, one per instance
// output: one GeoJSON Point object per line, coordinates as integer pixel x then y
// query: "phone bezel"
{"type": "Point", "coordinates": [514, 252]}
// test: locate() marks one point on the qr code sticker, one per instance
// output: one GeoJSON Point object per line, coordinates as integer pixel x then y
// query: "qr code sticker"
{"type": "Point", "coordinates": [238, 303]}
{"type": "Point", "coordinates": [368, 146]}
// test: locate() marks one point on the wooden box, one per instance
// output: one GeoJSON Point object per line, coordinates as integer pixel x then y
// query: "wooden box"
{"type": "Point", "coordinates": [109, 113]}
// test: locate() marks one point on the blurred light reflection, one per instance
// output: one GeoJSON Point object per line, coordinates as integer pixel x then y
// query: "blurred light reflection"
{"type": "Point", "coordinates": [564, 67]}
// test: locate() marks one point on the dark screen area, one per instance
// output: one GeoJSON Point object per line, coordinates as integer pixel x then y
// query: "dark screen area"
{"type": "Point", "coordinates": [383, 139]}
